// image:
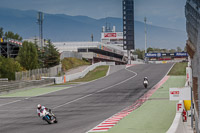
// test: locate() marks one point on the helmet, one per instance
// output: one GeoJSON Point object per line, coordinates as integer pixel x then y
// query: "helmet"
{"type": "Point", "coordinates": [145, 78]}
{"type": "Point", "coordinates": [39, 106]}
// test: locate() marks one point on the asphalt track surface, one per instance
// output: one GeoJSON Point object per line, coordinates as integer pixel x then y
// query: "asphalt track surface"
{"type": "Point", "coordinates": [82, 107]}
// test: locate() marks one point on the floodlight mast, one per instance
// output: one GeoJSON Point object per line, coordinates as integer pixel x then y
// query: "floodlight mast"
{"type": "Point", "coordinates": [145, 47]}
{"type": "Point", "coordinates": [40, 23]}
{"type": "Point", "coordinates": [145, 20]}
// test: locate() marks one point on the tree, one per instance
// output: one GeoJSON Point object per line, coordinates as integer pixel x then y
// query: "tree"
{"type": "Point", "coordinates": [28, 56]}
{"type": "Point", "coordinates": [1, 32]}
{"type": "Point", "coordinates": [178, 49]}
{"type": "Point", "coordinates": [40, 53]}
{"type": "Point", "coordinates": [51, 55]}
{"type": "Point", "coordinates": [8, 67]}
{"type": "Point", "coordinates": [172, 50]}
{"type": "Point", "coordinates": [140, 53]}
{"type": "Point", "coordinates": [11, 35]}
{"type": "Point", "coordinates": [150, 50]}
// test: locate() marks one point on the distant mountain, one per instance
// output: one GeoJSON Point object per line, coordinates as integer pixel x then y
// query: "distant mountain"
{"type": "Point", "coordinates": [60, 27]}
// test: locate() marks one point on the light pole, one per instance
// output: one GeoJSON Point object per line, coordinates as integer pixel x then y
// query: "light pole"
{"type": "Point", "coordinates": [145, 30]}
{"type": "Point", "coordinates": [40, 22]}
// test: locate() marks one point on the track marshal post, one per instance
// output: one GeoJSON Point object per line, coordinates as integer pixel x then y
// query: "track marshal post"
{"type": "Point", "coordinates": [183, 95]}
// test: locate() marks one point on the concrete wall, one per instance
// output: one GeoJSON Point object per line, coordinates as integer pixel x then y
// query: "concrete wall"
{"type": "Point", "coordinates": [66, 54]}
{"type": "Point", "coordinates": [84, 72]}
{"type": "Point", "coordinates": [178, 125]}
{"type": "Point", "coordinates": [62, 79]}
{"type": "Point", "coordinates": [54, 71]}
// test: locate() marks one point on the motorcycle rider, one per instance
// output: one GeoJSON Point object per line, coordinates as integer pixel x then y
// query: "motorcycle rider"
{"type": "Point", "coordinates": [40, 108]}
{"type": "Point", "coordinates": [145, 82]}
{"type": "Point", "coordinates": [146, 79]}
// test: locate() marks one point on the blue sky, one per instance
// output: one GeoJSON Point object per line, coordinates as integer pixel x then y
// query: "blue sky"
{"type": "Point", "coordinates": [164, 13]}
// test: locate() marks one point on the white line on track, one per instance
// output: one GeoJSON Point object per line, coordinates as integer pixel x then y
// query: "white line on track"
{"type": "Point", "coordinates": [26, 98]}
{"type": "Point", "coordinates": [108, 72]}
{"type": "Point", "coordinates": [10, 102]}
{"type": "Point", "coordinates": [118, 116]}
{"type": "Point", "coordinates": [98, 91]}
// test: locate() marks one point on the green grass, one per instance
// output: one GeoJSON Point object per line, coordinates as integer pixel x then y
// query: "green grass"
{"type": "Point", "coordinates": [178, 69]}
{"type": "Point", "coordinates": [95, 74]}
{"type": "Point", "coordinates": [69, 63]}
{"type": "Point", "coordinates": [155, 115]}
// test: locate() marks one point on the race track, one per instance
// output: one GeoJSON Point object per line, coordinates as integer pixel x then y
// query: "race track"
{"type": "Point", "coordinates": [82, 107]}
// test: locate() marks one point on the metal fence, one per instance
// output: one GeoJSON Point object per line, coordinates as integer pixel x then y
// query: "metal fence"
{"type": "Point", "coordinates": [13, 85]}
{"type": "Point", "coordinates": [36, 74]}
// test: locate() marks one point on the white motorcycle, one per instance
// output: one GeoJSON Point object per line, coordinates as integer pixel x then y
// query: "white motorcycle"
{"type": "Point", "coordinates": [49, 117]}
{"type": "Point", "coordinates": [145, 83]}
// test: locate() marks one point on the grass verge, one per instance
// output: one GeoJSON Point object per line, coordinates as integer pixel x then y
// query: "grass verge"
{"type": "Point", "coordinates": [69, 63]}
{"type": "Point", "coordinates": [178, 69]}
{"type": "Point", "coordinates": [95, 74]}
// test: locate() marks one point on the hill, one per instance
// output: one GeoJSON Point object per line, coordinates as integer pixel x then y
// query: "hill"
{"type": "Point", "coordinates": [61, 27]}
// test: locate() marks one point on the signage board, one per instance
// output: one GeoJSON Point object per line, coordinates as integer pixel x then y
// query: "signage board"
{"type": "Point", "coordinates": [151, 54]}
{"type": "Point", "coordinates": [179, 107]}
{"type": "Point", "coordinates": [110, 35]}
{"type": "Point", "coordinates": [180, 93]}
{"type": "Point", "coordinates": [181, 54]}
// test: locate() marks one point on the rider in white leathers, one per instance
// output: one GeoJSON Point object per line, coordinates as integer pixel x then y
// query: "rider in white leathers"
{"type": "Point", "coordinates": [145, 79]}
{"type": "Point", "coordinates": [40, 108]}
{"type": "Point", "coordinates": [145, 82]}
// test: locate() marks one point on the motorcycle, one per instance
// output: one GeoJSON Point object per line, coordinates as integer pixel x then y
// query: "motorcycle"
{"type": "Point", "coordinates": [49, 117]}
{"type": "Point", "coordinates": [145, 83]}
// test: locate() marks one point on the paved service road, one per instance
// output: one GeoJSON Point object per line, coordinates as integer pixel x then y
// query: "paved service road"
{"type": "Point", "coordinates": [80, 108]}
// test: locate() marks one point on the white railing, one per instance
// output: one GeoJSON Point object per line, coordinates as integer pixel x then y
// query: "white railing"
{"type": "Point", "coordinates": [62, 79]}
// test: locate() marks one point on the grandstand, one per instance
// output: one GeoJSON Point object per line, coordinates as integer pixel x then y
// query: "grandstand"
{"type": "Point", "coordinates": [94, 51]}
{"type": "Point", "coordinates": [9, 47]}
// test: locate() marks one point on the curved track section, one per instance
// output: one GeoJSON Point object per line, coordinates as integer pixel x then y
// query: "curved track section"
{"type": "Point", "coordinates": [80, 108]}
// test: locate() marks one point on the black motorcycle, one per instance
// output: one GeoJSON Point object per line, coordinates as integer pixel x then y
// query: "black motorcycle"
{"type": "Point", "coordinates": [48, 116]}
{"type": "Point", "coordinates": [145, 83]}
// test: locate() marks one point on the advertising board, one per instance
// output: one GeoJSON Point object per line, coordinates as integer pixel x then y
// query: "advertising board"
{"type": "Point", "coordinates": [180, 93]}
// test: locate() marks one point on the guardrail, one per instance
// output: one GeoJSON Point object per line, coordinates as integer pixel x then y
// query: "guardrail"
{"type": "Point", "coordinates": [3, 79]}
{"type": "Point", "coordinates": [14, 85]}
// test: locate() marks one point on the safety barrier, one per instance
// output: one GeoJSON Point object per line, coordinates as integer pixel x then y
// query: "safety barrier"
{"type": "Point", "coordinates": [36, 74]}
{"type": "Point", "coordinates": [63, 79]}
{"type": "Point", "coordinates": [13, 85]}
{"type": "Point", "coordinates": [178, 125]}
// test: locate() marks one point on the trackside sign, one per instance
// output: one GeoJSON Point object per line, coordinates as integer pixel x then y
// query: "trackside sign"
{"type": "Point", "coordinates": [151, 54]}
{"type": "Point", "coordinates": [110, 34]}
{"type": "Point", "coordinates": [180, 93]}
